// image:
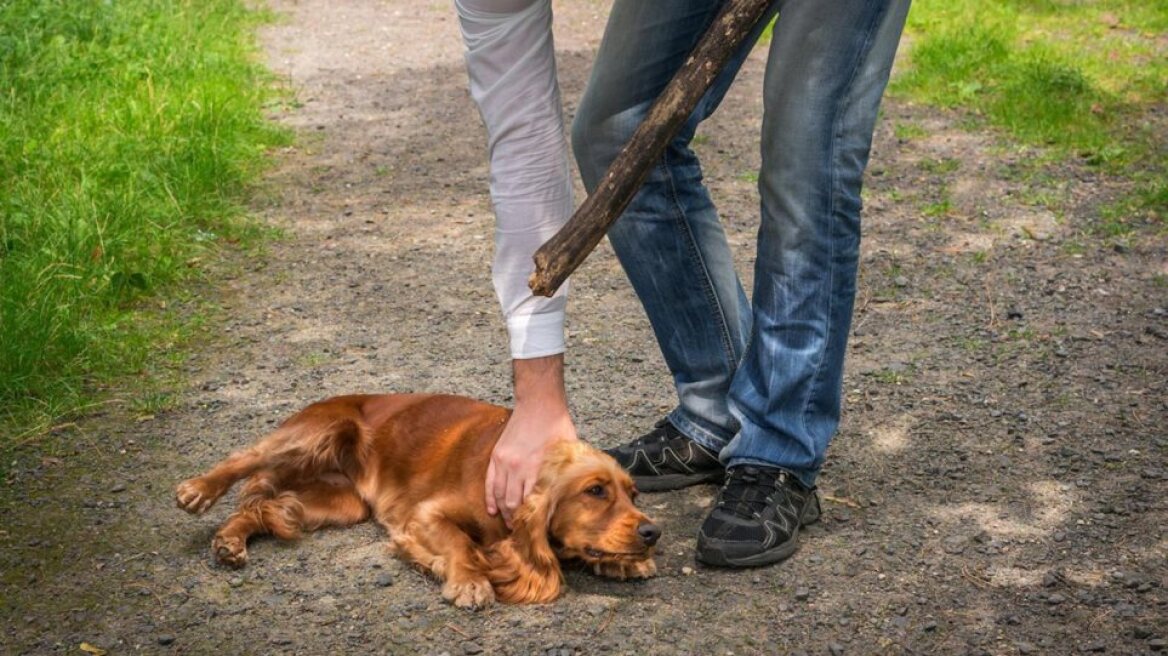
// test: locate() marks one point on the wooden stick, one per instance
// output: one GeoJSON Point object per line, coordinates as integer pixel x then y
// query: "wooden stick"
{"type": "Point", "coordinates": [568, 248]}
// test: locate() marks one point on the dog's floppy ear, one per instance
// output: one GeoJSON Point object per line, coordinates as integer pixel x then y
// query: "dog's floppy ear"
{"type": "Point", "coordinates": [524, 568]}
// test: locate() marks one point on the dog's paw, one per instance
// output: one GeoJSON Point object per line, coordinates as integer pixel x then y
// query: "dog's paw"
{"type": "Point", "coordinates": [473, 594]}
{"type": "Point", "coordinates": [196, 495]}
{"type": "Point", "coordinates": [229, 550]}
{"type": "Point", "coordinates": [626, 569]}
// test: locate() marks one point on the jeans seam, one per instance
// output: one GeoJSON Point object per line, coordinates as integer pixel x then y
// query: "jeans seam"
{"type": "Point", "coordinates": [841, 112]}
{"type": "Point", "coordinates": [695, 253]}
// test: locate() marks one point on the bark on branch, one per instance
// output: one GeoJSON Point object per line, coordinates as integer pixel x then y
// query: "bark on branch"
{"type": "Point", "coordinates": [568, 248]}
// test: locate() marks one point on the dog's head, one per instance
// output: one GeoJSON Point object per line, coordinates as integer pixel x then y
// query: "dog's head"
{"type": "Point", "coordinates": [581, 507]}
{"type": "Point", "coordinates": [590, 512]}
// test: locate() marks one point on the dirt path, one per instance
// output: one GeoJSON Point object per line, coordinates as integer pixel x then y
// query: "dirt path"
{"type": "Point", "coordinates": [998, 486]}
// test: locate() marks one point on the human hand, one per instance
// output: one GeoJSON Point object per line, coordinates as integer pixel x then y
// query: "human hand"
{"type": "Point", "coordinates": [540, 418]}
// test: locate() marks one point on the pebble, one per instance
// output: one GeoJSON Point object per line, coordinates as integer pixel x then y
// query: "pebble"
{"type": "Point", "coordinates": [1025, 647]}
{"type": "Point", "coordinates": [383, 580]}
{"type": "Point", "coordinates": [1158, 644]}
{"type": "Point", "coordinates": [687, 570]}
{"type": "Point", "coordinates": [836, 649]}
{"type": "Point", "coordinates": [802, 594]}
{"type": "Point", "coordinates": [120, 487]}
{"type": "Point", "coordinates": [235, 581]}
{"type": "Point", "coordinates": [165, 639]}
{"type": "Point", "coordinates": [470, 647]}
{"type": "Point", "coordinates": [280, 640]}
{"type": "Point", "coordinates": [954, 545]}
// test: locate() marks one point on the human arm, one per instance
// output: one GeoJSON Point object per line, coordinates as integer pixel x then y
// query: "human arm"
{"type": "Point", "coordinates": [511, 65]}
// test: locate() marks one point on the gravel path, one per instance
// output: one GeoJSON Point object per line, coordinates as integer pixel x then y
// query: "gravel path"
{"type": "Point", "coordinates": [998, 486]}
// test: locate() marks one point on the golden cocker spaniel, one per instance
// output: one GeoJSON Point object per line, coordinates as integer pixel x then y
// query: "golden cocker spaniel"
{"type": "Point", "coordinates": [418, 464]}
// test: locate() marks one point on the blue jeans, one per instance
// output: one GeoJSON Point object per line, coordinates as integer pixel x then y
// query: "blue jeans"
{"type": "Point", "coordinates": [759, 384]}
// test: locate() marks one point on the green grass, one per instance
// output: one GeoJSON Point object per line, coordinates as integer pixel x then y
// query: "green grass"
{"type": "Point", "coordinates": [130, 132]}
{"type": "Point", "coordinates": [1084, 79]}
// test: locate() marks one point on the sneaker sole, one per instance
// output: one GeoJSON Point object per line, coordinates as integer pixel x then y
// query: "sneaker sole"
{"type": "Point", "coordinates": [713, 554]}
{"type": "Point", "coordinates": [667, 482]}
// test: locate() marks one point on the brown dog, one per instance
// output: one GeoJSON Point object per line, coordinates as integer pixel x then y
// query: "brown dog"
{"type": "Point", "coordinates": [418, 463]}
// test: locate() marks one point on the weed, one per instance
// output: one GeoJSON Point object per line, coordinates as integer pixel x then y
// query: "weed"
{"type": "Point", "coordinates": [940, 166]}
{"type": "Point", "coordinates": [938, 209]}
{"type": "Point", "coordinates": [132, 132]}
{"type": "Point", "coordinates": [908, 131]}
{"type": "Point", "coordinates": [1060, 75]}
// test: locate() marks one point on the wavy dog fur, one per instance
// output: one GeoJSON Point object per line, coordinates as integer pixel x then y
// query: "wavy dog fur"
{"type": "Point", "coordinates": [417, 463]}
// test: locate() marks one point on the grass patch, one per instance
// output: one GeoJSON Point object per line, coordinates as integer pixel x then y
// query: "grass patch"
{"type": "Point", "coordinates": [130, 132]}
{"type": "Point", "coordinates": [1085, 79]}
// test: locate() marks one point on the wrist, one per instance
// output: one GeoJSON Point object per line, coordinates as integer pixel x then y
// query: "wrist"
{"type": "Point", "coordinates": [540, 381]}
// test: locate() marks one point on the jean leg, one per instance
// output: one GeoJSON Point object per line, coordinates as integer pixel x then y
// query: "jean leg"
{"type": "Point", "coordinates": [828, 65]}
{"type": "Point", "coordinates": [669, 240]}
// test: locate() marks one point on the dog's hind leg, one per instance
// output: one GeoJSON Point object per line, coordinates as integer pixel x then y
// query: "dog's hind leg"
{"type": "Point", "coordinates": [196, 495]}
{"type": "Point", "coordinates": [286, 512]}
{"type": "Point", "coordinates": [312, 446]}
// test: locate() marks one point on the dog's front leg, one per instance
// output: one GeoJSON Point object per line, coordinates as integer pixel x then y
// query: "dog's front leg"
{"type": "Point", "coordinates": [441, 547]}
{"type": "Point", "coordinates": [625, 569]}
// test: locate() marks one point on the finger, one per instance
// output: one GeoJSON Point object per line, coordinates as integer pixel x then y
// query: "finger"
{"type": "Point", "coordinates": [492, 508]}
{"type": "Point", "coordinates": [499, 494]}
{"type": "Point", "coordinates": [514, 495]}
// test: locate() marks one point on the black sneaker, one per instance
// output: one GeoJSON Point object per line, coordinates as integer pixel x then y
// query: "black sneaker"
{"type": "Point", "coordinates": [664, 459]}
{"type": "Point", "coordinates": [757, 518]}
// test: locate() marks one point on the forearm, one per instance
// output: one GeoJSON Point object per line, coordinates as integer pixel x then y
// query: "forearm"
{"type": "Point", "coordinates": [511, 63]}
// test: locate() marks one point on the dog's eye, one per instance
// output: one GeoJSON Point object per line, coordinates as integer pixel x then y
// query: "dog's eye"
{"type": "Point", "coordinates": [595, 490]}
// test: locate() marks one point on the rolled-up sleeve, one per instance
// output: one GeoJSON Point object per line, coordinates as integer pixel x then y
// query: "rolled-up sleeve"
{"type": "Point", "coordinates": [511, 62]}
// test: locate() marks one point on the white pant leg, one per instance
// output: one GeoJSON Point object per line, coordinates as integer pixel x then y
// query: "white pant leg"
{"type": "Point", "coordinates": [511, 62]}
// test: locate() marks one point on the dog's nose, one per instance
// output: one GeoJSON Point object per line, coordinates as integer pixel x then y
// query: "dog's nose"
{"type": "Point", "coordinates": [649, 533]}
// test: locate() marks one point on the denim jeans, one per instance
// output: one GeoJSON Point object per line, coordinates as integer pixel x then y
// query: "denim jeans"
{"type": "Point", "coordinates": [759, 383]}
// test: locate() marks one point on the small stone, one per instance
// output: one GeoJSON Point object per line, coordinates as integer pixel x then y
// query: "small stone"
{"type": "Point", "coordinates": [383, 580]}
{"type": "Point", "coordinates": [900, 281]}
{"type": "Point", "coordinates": [953, 545]}
{"type": "Point", "coordinates": [687, 570]}
{"type": "Point", "coordinates": [1158, 644]}
{"type": "Point", "coordinates": [470, 647]}
{"type": "Point", "coordinates": [280, 639]}
{"type": "Point", "coordinates": [929, 627]}
{"type": "Point", "coordinates": [165, 639]}
{"type": "Point", "coordinates": [1024, 647]}
{"type": "Point", "coordinates": [1055, 599]}
{"type": "Point", "coordinates": [235, 581]}
{"type": "Point", "coordinates": [802, 594]}
{"type": "Point", "coordinates": [120, 487]}
{"type": "Point", "coordinates": [1093, 647]}
{"type": "Point", "coordinates": [836, 649]}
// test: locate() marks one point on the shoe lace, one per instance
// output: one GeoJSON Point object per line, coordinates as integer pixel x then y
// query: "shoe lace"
{"type": "Point", "coordinates": [749, 490]}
